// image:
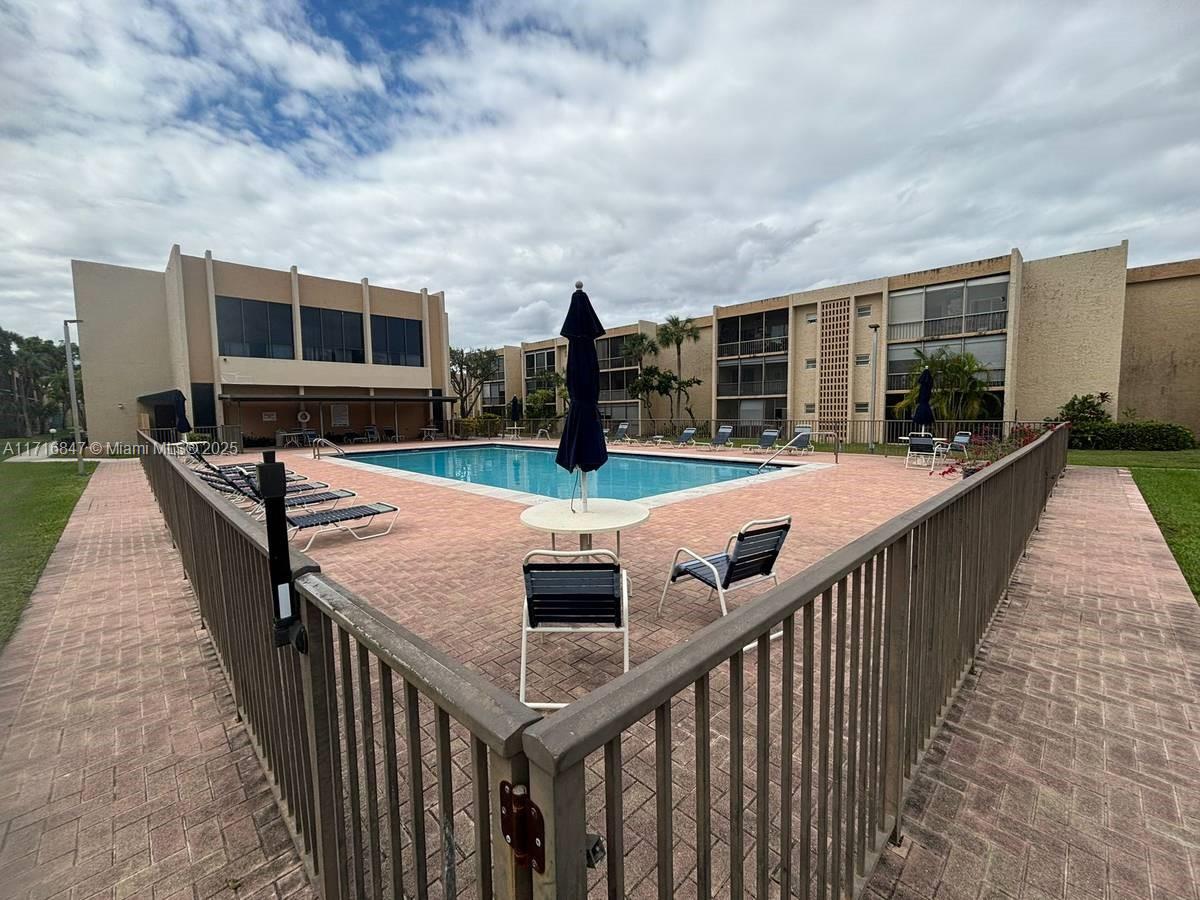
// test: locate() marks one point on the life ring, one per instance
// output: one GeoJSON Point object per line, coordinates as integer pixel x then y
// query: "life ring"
{"type": "Point", "coordinates": [302, 417]}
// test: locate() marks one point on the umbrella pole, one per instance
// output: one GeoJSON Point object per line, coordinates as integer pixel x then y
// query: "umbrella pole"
{"type": "Point", "coordinates": [583, 490]}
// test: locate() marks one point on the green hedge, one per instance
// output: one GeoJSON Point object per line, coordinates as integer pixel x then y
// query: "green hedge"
{"type": "Point", "coordinates": [1131, 436]}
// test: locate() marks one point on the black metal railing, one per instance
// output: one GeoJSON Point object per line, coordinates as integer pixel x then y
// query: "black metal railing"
{"type": "Point", "coordinates": [753, 347]}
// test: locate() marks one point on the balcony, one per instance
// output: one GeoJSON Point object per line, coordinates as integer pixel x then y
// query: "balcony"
{"type": "Point", "coordinates": [617, 362]}
{"type": "Point", "coordinates": [756, 347]}
{"type": "Point", "coordinates": [935, 328]}
{"type": "Point", "coordinates": [771, 388]}
{"type": "Point", "coordinates": [900, 381]}
{"type": "Point", "coordinates": [612, 396]}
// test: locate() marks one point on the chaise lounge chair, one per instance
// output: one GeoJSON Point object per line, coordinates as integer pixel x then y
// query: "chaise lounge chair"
{"type": "Point", "coordinates": [766, 441]}
{"type": "Point", "coordinates": [720, 440]}
{"type": "Point", "coordinates": [621, 435]}
{"type": "Point", "coordinates": [326, 521]}
{"type": "Point", "coordinates": [688, 438]}
{"type": "Point", "coordinates": [578, 597]}
{"type": "Point", "coordinates": [801, 441]}
{"type": "Point", "coordinates": [749, 558]}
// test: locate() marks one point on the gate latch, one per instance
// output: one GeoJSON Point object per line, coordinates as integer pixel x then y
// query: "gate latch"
{"type": "Point", "coordinates": [522, 826]}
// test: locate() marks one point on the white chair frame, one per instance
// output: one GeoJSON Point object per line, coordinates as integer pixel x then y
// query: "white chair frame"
{"type": "Point", "coordinates": [527, 629]}
{"type": "Point", "coordinates": [920, 458]}
{"type": "Point", "coordinates": [771, 576]}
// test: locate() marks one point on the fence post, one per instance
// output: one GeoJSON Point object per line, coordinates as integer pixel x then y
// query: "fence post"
{"type": "Point", "coordinates": [894, 681]}
{"type": "Point", "coordinates": [509, 880]}
{"type": "Point", "coordinates": [560, 797]}
{"type": "Point", "coordinates": [329, 844]}
{"type": "Point", "coordinates": [272, 486]}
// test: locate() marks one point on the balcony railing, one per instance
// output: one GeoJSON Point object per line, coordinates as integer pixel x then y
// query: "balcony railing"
{"type": "Point", "coordinates": [615, 395]}
{"type": "Point", "coordinates": [769, 388]}
{"type": "Point", "coordinates": [932, 328]}
{"type": "Point", "coordinates": [900, 381]}
{"type": "Point", "coordinates": [617, 362]}
{"type": "Point", "coordinates": [756, 347]}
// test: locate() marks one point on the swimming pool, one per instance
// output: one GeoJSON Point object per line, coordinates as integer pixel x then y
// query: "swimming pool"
{"type": "Point", "coordinates": [531, 470]}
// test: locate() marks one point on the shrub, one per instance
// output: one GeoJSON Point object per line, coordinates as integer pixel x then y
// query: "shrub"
{"type": "Point", "coordinates": [1142, 435]}
{"type": "Point", "coordinates": [1086, 408]}
{"type": "Point", "coordinates": [482, 425]}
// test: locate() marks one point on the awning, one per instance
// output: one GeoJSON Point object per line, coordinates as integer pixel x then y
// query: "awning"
{"type": "Point", "coordinates": [162, 398]}
{"type": "Point", "coordinates": [332, 398]}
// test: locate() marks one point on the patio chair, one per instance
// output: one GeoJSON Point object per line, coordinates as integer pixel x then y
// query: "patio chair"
{"type": "Point", "coordinates": [923, 450]}
{"type": "Point", "coordinates": [801, 441]}
{"type": "Point", "coordinates": [960, 445]}
{"type": "Point", "coordinates": [327, 521]}
{"type": "Point", "coordinates": [246, 493]}
{"type": "Point", "coordinates": [573, 597]}
{"type": "Point", "coordinates": [217, 479]}
{"type": "Point", "coordinates": [720, 440]}
{"type": "Point", "coordinates": [749, 558]}
{"type": "Point", "coordinates": [621, 435]}
{"type": "Point", "coordinates": [687, 438]}
{"type": "Point", "coordinates": [766, 441]}
{"type": "Point", "coordinates": [370, 435]}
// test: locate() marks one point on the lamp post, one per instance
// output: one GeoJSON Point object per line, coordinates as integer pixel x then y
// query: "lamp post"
{"type": "Point", "coordinates": [74, 397]}
{"type": "Point", "coordinates": [874, 326]}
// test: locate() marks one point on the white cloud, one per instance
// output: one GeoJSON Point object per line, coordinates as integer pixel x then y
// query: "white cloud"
{"type": "Point", "coordinates": [672, 155]}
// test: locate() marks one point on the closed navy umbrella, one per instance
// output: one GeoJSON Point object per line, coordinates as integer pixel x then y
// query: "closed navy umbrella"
{"type": "Point", "coordinates": [515, 409]}
{"type": "Point", "coordinates": [923, 414]}
{"type": "Point", "coordinates": [582, 444]}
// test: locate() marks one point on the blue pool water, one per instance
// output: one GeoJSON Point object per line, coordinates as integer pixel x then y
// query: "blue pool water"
{"type": "Point", "coordinates": [533, 471]}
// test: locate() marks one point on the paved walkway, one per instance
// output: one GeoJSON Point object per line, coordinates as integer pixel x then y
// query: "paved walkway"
{"type": "Point", "coordinates": [123, 772]}
{"type": "Point", "coordinates": [1070, 766]}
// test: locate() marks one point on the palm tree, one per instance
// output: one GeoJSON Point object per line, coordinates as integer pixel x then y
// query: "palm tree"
{"type": "Point", "coordinates": [960, 388]}
{"type": "Point", "coordinates": [678, 331]}
{"type": "Point", "coordinates": [638, 346]}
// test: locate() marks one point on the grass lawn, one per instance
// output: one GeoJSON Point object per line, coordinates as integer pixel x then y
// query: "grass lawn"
{"type": "Point", "coordinates": [1136, 459]}
{"type": "Point", "coordinates": [1173, 495]}
{"type": "Point", "coordinates": [38, 499]}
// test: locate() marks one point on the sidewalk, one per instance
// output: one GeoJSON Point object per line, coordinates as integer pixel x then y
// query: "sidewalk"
{"type": "Point", "coordinates": [1070, 766]}
{"type": "Point", "coordinates": [123, 772]}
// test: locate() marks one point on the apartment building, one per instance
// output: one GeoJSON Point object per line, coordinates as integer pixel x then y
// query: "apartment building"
{"type": "Point", "coordinates": [269, 351]}
{"type": "Point", "coordinates": [1043, 329]}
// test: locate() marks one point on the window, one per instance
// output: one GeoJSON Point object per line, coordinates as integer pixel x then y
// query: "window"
{"type": "Point", "coordinates": [811, 318]}
{"type": "Point", "coordinates": [810, 409]}
{"type": "Point", "coordinates": [611, 353]}
{"type": "Point", "coordinates": [810, 363]}
{"type": "Point", "coordinates": [862, 407]}
{"type": "Point", "coordinates": [753, 334]}
{"type": "Point", "coordinates": [398, 342]}
{"type": "Point", "coordinates": [254, 328]}
{"type": "Point", "coordinates": [537, 364]}
{"type": "Point", "coordinates": [906, 306]}
{"type": "Point", "coordinates": [863, 312]}
{"type": "Point", "coordinates": [862, 359]}
{"type": "Point", "coordinates": [493, 393]}
{"type": "Point", "coordinates": [331, 335]}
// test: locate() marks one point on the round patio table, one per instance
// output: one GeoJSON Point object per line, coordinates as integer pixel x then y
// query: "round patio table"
{"type": "Point", "coordinates": [556, 517]}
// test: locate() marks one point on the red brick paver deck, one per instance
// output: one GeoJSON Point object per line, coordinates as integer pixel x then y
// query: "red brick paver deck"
{"type": "Point", "coordinates": [123, 771]}
{"type": "Point", "coordinates": [1070, 765]}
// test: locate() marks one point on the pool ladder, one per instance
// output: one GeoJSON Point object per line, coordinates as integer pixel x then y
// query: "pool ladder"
{"type": "Point", "coordinates": [318, 443]}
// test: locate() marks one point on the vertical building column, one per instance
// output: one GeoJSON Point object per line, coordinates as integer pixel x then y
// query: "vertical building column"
{"type": "Point", "coordinates": [1012, 333]}
{"type": "Point", "coordinates": [297, 333]}
{"type": "Point", "coordinates": [425, 331]}
{"type": "Point", "coordinates": [850, 367]}
{"type": "Point", "coordinates": [792, 371]}
{"type": "Point", "coordinates": [881, 387]}
{"type": "Point", "coordinates": [366, 314]}
{"type": "Point", "coordinates": [210, 289]}
{"type": "Point", "coordinates": [716, 337]}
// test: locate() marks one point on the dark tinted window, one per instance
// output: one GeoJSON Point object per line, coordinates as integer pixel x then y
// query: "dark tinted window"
{"type": "Point", "coordinates": [331, 335]}
{"type": "Point", "coordinates": [396, 341]}
{"type": "Point", "coordinates": [254, 328]}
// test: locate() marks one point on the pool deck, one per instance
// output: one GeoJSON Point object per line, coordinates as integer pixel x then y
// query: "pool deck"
{"type": "Point", "coordinates": [451, 568]}
{"type": "Point", "coordinates": [1069, 766]}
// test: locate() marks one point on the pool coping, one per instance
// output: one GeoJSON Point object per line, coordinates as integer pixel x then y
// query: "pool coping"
{"type": "Point", "coordinates": [788, 469]}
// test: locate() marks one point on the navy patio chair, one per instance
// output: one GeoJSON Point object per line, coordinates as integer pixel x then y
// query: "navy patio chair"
{"type": "Point", "coordinates": [749, 558]}
{"type": "Point", "coordinates": [766, 441]}
{"type": "Point", "coordinates": [720, 440]}
{"type": "Point", "coordinates": [562, 596]}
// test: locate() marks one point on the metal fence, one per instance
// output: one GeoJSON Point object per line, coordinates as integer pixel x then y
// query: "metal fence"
{"type": "Point", "coordinates": [386, 756]}
{"type": "Point", "coordinates": [782, 768]}
{"type": "Point", "coordinates": [778, 768]}
{"type": "Point", "coordinates": [229, 435]}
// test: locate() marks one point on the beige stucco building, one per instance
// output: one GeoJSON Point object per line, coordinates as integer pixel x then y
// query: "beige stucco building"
{"type": "Point", "coordinates": [260, 352]}
{"type": "Point", "coordinates": [1043, 328]}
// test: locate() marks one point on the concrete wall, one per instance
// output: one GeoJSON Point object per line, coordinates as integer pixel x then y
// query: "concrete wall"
{"type": "Point", "coordinates": [1071, 322]}
{"type": "Point", "coordinates": [124, 346]}
{"type": "Point", "coordinates": [1160, 355]}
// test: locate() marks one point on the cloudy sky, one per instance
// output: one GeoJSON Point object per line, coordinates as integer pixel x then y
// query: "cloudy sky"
{"type": "Point", "coordinates": [672, 154]}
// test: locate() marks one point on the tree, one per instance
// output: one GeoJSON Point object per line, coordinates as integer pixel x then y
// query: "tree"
{"type": "Point", "coordinates": [469, 369]}
{"type": "Point", "coordinates": [638, 346]}
{"type": "Point", "coordinates": [959, 386]}
{"type": "Point", "coordinates": [32, 383]}
{"type": "Point", "coordinates": [651, 380]}
{"type": "Point", "coordinates": [676, 332]}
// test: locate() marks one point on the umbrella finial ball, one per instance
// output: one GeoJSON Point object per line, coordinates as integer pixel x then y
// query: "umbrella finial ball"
{"type": "Point", "coordinates": [579, 285]}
